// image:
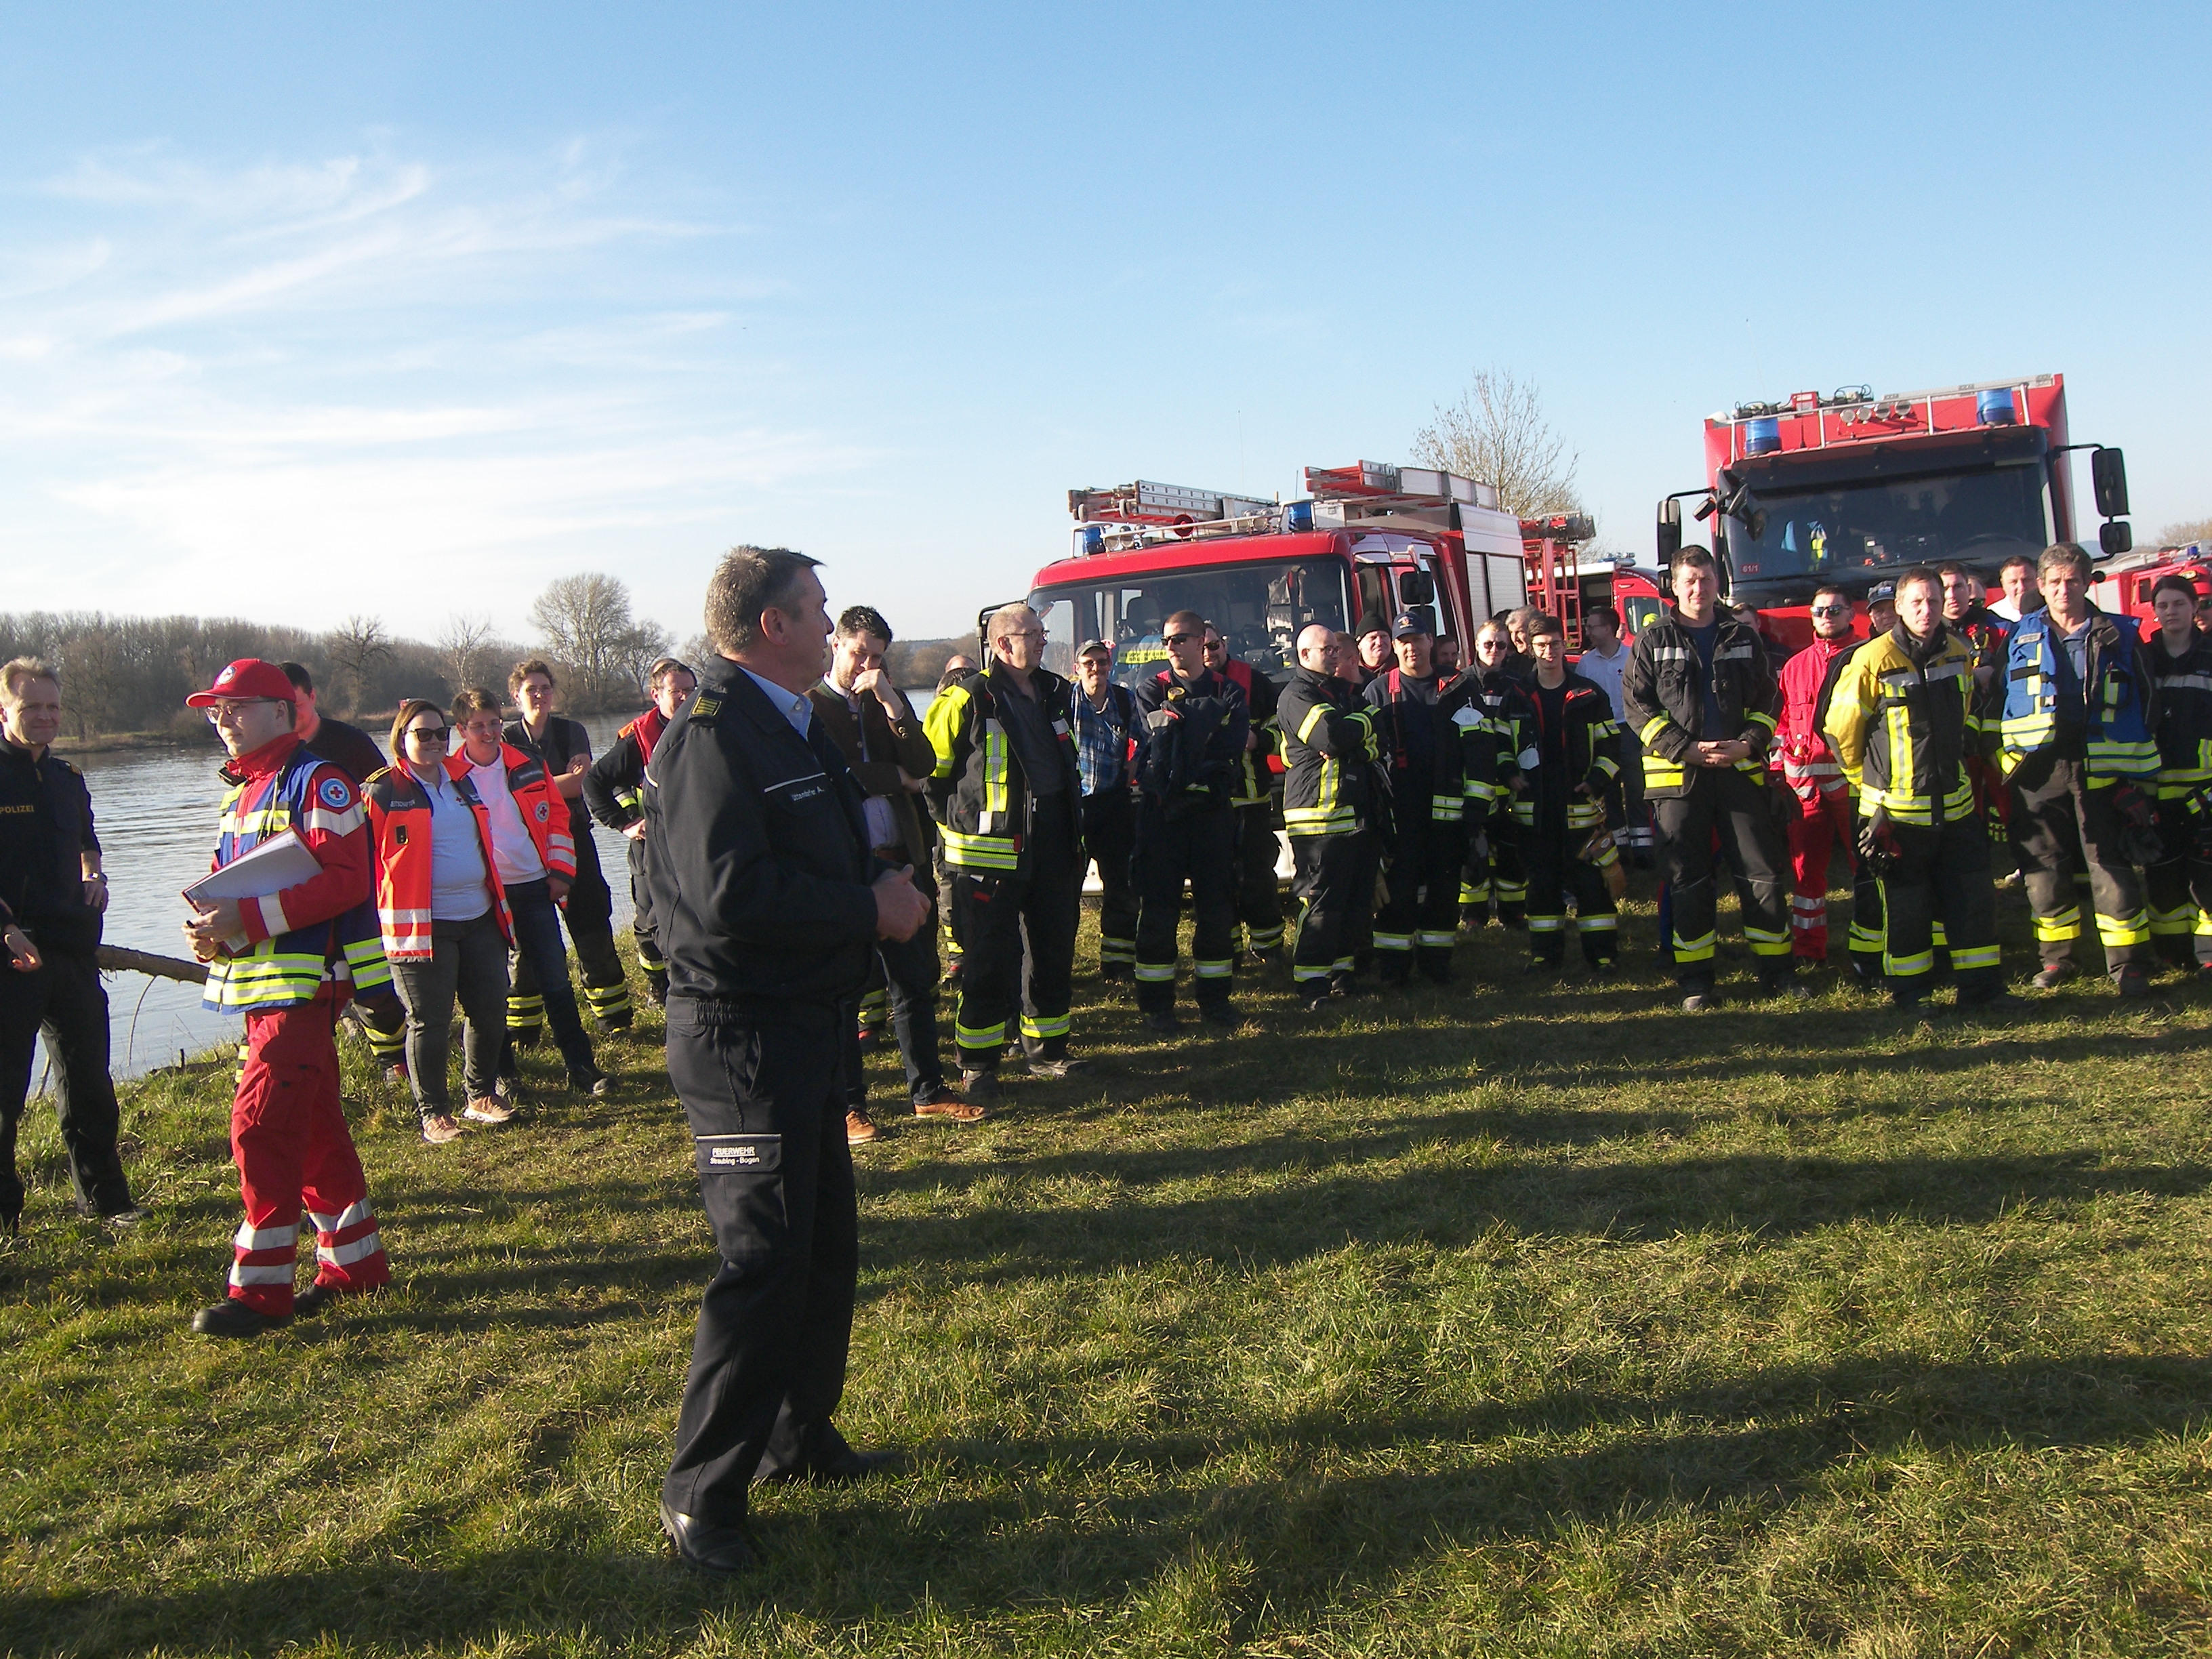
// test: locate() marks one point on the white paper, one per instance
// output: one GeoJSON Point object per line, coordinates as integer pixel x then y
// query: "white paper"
{"type": "Point", "coordinates": [277, 863]}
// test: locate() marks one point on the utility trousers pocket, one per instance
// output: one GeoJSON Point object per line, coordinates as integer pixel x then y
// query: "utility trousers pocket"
{"type": "Point", "coordinates": [741, 1181]}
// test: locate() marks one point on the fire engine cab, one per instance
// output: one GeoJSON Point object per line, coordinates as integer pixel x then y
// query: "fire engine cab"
{"type": "Point", "coordinates": [1367, 540]}
{"type": "Point", "coordinates": [1849, 489]}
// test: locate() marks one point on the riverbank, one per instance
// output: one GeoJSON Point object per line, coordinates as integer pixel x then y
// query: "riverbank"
{"type": "Point", "coordinates": [1527, 1315]}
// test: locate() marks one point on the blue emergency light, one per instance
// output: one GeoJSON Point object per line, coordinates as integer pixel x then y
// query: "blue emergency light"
{"type": "Point", "coordinates": [1994, 407]}
{"type": "Point", "coordinates": [1093, 540]}
{"type": "Point", "coordinates": [1762, 436]}
{"type": "Point", "coordinates": [1297, 517]}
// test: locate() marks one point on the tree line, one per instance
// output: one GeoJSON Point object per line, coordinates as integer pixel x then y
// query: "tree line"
{"type": "Point", "coordinates": [132, 674]}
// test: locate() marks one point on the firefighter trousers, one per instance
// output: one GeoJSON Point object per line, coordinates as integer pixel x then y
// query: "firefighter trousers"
{"type": "Point", "coordinates": [1941, 882]}
{"type": "Point", "coordinates": [588, 912]}
{"type": "Point", "coordinates": [1868, 932]}
{"type": "Point", "coordinates": [64, 995]}
{"type": "Point", "coordinates": [1110, 834]}
{"type": "Point", "coordinates": [1420, 919]}
{"type": "Point", "coordinates": [1002, 918]}
{"type": "Point", "coordinates": [294, 1152]}
{"type": "Point", "coordinates": [1734, 806]}
{"type": "Point", "coordinates": [760, 1084]}
{"type": "Point", "coordinates": [1328, 870]}
{"type": "Point", "coordinates": [1499, 877]}
{"type": "Point", "coordinates": [1259, 905]}
{"type": "Point", "coordinates": [537, 980]}
{"type": "Point", "coordinates": [1557, 876]}
{"type": "Point", "coordinates": [2179, 891]}
{"type": "Point", "coordinates": [1200, 847]}
{"type": "Point", "coordinates": [1816, 827]}
{"type": "Point", "coordinates": [2057, 815]}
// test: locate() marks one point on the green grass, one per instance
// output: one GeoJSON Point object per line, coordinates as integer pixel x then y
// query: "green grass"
{"type": "Point", "coordinates": [1505, 1319]}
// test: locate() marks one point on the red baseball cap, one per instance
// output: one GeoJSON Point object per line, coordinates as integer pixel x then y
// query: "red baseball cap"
{"type": "Point", "coordinates": [249, 676]}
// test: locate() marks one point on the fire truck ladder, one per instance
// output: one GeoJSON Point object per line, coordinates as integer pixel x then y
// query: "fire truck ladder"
{"type": "Point", "coordinates": [1552, 548]}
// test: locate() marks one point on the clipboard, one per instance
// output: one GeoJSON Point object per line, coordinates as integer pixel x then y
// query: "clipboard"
{"type": "Point", "coordinates": [279, 862]}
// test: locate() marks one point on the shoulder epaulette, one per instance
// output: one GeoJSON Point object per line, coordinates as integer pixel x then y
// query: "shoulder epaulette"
{"type": "Point", "coordinates": [705, 709]}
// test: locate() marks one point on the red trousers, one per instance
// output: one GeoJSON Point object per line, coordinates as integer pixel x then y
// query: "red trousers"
{"type": "Point", "coordinates": [290, 1139]}
{"type": "Point", "coordinates": [1814, 828]}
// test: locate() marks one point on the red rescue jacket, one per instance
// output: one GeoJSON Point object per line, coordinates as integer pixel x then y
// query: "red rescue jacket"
{"type": "Point", "coordinates": [1808, 766]}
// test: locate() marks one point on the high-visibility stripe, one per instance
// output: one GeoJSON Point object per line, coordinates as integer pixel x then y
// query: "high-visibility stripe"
{"type": "Point", "coordinates": [1695, 950]}
{"type": "Point", "coordinates": [1155, 973]}
{"type": "Point", "coordinates": [2123, 930]}
{"type": "Point", "coordinates": [1438, 941]}
{"type": "Point", "coordinates": [352, 1216]}
{"type": "Point", "coordinates": [1764, 942]}
{"type": "Point", "coordinates": [2066, 924]}
{"type": "Point", "coordinates": [1907, 967]}
{"type": "Point", "coordinates": [250, 1238]}
{"type": "Point", "coordinates": [1606, 922]}
{"type": "Point", "coordinates": [1213, 969]}
{"type": "Point", "coordinates": [1545, 924]}
{"type": "Point", "coordinates": [242, 1275]}
{"type": "Point", "coordinates": [1052, 1025]}
{"type": "Point", "coordinates": [345, 1255]}
{"type": "Point", "coordinates": [980, 852]}
{"type": "Point", "coordinates": [979, 1036]}
{"type": "Point", "coordinates": [1393, 941]}
{"type": "Point", "coordinates": [1978, 955]}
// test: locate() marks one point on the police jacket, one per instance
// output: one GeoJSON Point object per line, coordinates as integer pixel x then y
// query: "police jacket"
{"type": "Point", "coordinates": [978, 792]}
{"type": "Point", "coordinates": [755, 853]}
{"type": "Point", "coordinates": [1328, 747]}
{"type": "Point", "coordinates": [1584, 751]}
{"type": "Point", "coordinates": [1421, 746]}
{"type": "Point", "coordinates": [1662, 694]}
{"type": "Point", "coordinates": [614, 789]}
{"type": "Point", "coordinates": [318, 932]}
{"type": "Point", "coordinates": [1902, 720]}
{"type": "Point", "coordinates": [1497, 749]}
{"type": "Point", "coordinates": [399, 831]}
{"type": "Point", "coordinates": [46, 826]}
{"type": "Point", "coordinates": [1194, 733]}
{"type": "Point", "coordinates": [2185, 715]}
{"type": "Point", "coordinates": [2109, 721]}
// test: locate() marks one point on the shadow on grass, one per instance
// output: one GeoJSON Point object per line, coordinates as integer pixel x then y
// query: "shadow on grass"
{"type": "Point", "coordinates": [1061, 1527]}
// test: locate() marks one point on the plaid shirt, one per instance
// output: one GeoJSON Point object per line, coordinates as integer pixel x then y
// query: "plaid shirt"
{"type": "Point", "coordinates": [1101, 738]}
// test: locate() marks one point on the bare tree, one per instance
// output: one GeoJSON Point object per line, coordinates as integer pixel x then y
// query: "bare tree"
{"type": "Point", "coordinates": [358, 648]}
{"type": "Point", "coordinates": [1497, 434]}
{"type": "Point", "coordinates": [585, 621]}
{"type": "Point", "coordinates": [464, 645]}
{"type": "Point", "coordinates": [2188, 530]}
{"type": "Point", "coordinates": [635, 652]}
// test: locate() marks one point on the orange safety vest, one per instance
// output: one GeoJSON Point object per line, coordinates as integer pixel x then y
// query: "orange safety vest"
{"type": "Point", "coordinates": [400, 827]}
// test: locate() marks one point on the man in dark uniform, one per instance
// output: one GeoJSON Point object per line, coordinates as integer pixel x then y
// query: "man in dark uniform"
{"type": "Point", "coordinates": [563, 748]}
{"type": "Point", "coordinates": [1421, 751]}
{"type": "Point", "coordinates": [1195, 723]}
{"type": "Point", "coordinates": [52, 895]}
{"type": "Point", "coordinates": [757, 854]}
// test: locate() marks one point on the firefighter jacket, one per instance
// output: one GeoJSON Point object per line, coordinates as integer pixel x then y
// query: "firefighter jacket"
{"type": "Point", "coordinates": [2109, 720]}
{"type": "Point", "coordinates": [1193, 752]}
{"type": "Point", "coordinates": [757, 856]}
{"type": "Point", "coordinates": [1985, 635]}
{"type": "Point", "coordinates": [320, 931]}
{"type": "Point", "coordinates": [614, 787]}
{"type": "Point", "coordinates": [1663, 693]}
{"type": "Point", "coordinates": [1329, 751]}
{"type": "Point", "coordinates": [1421, 747]}
{"type": "Point", "coordinates": [1810, 770]}
{"type": "Point", "coordinates": [1255, 779]}
{"type": "Point", "coordinates": [1497, 749]}
{"type": "Point", "coordinates": [978, 792]}
{"type": "Point", "coordinates": [1585, 750]}
{"type": "Point", "coordinates": [1903, 723]}
{"type": "Point", "coordinates": [2185, 715]}
{"type": "Point", "coordinates": [399, 830]}
{"type": "Point", "coordinates": [544, 814]}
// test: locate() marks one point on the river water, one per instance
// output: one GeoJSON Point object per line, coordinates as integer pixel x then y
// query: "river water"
{"type": "Point", "coordinates": [155, 809]}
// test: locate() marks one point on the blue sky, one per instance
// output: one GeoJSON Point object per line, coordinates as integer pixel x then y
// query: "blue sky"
{"type": "Point", "coordinates": [405, 313]}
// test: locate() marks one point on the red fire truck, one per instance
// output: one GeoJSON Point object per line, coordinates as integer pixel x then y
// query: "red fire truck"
{"type": "Point", "coordinates": [2123, 587]}
{"type": "Point", "coordinates": [1368, 539]}
{"type": "Point", "coordinates": [1849, 489]}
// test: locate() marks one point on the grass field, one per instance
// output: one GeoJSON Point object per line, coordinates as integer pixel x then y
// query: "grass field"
{"type": "Point", "coordinates": [1528, 1318]}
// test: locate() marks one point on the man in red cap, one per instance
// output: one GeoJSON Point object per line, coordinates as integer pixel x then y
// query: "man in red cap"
{"type": "Point", "coordinates": [286, 960]}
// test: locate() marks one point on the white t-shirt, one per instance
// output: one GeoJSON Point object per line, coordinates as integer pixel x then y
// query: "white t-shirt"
{"type": "Point", "coordinates": [512, 849]}
{"type": "Point", "coordinates": [1606, 672]}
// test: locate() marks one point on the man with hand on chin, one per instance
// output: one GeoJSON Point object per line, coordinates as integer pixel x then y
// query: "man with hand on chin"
{"type": "Point", "coordinates": [758, 858]}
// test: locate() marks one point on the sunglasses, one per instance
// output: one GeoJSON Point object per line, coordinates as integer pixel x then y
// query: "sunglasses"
{"type": "Point", "coordinates": [1831, 611]}
{"type": "Point", "coordinates": [427, 733]}
{"type": "Point", "coordinates": [1180, 639]}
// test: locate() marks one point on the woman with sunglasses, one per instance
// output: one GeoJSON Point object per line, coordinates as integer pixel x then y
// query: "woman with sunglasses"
{"type": "Point", "coordinates": [443, 915]}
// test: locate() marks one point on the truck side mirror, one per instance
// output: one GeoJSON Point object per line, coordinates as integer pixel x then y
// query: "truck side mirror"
{"type": "Point", "coordinates": [2115, 536]}
{"type": "Point", "coordinates": [1414, 589]}
{"type": "Point", "coordinates": [2108, 473]}
{"type": "Point", "coordinates": [1670, 532]}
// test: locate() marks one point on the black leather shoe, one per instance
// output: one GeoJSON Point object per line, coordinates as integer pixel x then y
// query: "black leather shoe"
{"type": "Point", "coordinates": [232, 1317]}
{"type": "Point", "coordinates": [704, 1545]}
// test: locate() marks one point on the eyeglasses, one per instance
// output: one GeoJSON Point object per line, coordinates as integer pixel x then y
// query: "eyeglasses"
{"type": "Point", "coordinates": [215, 712]}
{"type": "Point", "coordinates": [429, 734]}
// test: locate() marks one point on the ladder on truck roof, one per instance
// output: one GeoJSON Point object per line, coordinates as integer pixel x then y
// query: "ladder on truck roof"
{"type": "Point", "coordinates": [1146, 502]}
{"type": "Point", "coordinates": [1553, 547]}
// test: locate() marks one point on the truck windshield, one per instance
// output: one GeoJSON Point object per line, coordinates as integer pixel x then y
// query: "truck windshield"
{"type": "Point", "coordinates": [1848, 531]}
{"type": "Point", "coordinates": [1259, 609]}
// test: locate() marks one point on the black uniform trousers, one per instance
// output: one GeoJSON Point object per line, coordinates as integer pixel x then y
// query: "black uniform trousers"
{"type": "Point", "coordinates": [1110, 835]}
{"type": "Point", "coordinates": [1327, 873]}
{"type": "Point", "coordinates": [1736, 806]}
{"type": "Point", "coordinates": [589, 912]}
{"type": "Point", "coordinates": [1941, 878]}
{"type": "Point", "coordinates": [2179, 890]}
{"type": "Point", "coordinates": [1003, 918]}
{"type": "Point", "coordinates": [1868, 931]}
{"type": "Point", "coordinates": [1200, 847]}
{"type": "Point", "coordinates": [908, 971]}
{"type": "Point", "coordinates": [1556, 877]}
{"type": "Point", "coordinates": [1501, 876]}
{"type": "Point", "coordinates": [1420, 916]}
{"type": "Point", "coordinates": [760, 1084]}
{"type": "Point", "coordinates": [2057, 818]}
{"type": "Point", "coordinates": [1259, 904]}
{"type": "Point", "coordinates": [66, 997]}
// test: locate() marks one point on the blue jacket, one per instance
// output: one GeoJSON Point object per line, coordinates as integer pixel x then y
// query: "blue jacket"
{"type": "Point", "coordinates": [2119, 739]}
